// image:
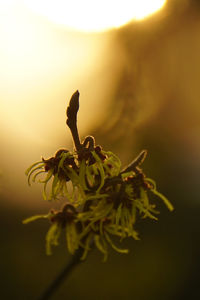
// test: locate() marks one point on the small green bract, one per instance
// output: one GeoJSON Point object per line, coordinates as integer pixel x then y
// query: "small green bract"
{"type": "Point", "coordinates": [101, 199]}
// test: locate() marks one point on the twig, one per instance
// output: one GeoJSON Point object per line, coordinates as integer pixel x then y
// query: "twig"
{"type": "Point", "coordinates": [133, 166]}
{"type": "Point", "coordinates": [75, 260]}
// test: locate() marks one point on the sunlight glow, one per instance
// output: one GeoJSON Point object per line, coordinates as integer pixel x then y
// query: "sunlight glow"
{"type": "Point", "coordinates": [42, 65]}
{"type": "Point", "coordinates": [90, 15]}
{"type": "Point", "coordinates": [38, 65]}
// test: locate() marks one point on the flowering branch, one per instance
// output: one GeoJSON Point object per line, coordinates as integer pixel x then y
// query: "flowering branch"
{"type": "Point", "coordinates": [102, 200]}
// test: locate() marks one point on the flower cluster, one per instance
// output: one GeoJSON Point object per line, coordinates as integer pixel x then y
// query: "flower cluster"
{"type": "Point", "coordinates": [102, 200]}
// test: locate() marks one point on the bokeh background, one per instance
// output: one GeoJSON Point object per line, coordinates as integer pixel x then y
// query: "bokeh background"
{"type": "Point", "coordinates": [139, 89]}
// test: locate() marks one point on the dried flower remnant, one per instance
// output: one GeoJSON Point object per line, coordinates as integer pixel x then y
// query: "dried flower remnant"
{"type": "Point", "coordinates": [104, 201]}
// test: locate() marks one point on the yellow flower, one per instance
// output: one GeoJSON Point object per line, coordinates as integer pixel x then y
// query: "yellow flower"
{"type": "Point", "coordinates": [102, 201]}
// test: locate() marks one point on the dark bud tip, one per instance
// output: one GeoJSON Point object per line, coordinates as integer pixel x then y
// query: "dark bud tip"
{"type": "Point", "coordinates": [73, 106]}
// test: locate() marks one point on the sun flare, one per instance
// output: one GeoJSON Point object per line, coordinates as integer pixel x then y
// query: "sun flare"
{"type": "Point", "coordinates": [91, 16]}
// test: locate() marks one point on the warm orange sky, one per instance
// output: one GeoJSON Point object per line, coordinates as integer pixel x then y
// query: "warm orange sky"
{"type": "Point", "coordinates": [42, 64]}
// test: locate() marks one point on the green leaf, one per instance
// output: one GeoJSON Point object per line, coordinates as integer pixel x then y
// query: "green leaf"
{"type": "Point", "coordinates": [144, 197]}
{"type": "Point", "coordinates": [64, 155]}
{"type": "Point", "coordinates": [82, 174]}
{"type": "Point", "coordinates": [118, 214]}
{"type": "Point", "coordinates": [71, 237]}
{"type": "Point", "coordinates": [101, 170]}
{"type": "Point", "coordinates": [164, 199]}
{"type": "Point", "coordinates": [114, 161]}
{"type": "Point", "coordinates": [152, 182]}
{"type": "Point", "coordinates": [100, 244]}
{"type": "Point", "coordinates": [86, 246]}
{"type": "Point", "coordinates": [113, 245]}
{"type": "Point", "coordinates": [90, 176]}
{"type": "Point", "coordinates": [55, 186]}
{"type": "Point", "coordinates": [98, 196]}
{"type": "Point", "coordinates": [33, 165]}
{"type": "Point", "coordinates": [38, 173]}
{"type": "Point", "coordinates": [52, 237]}
{"type": "Point", "coordinates": [32, 171]}
{"type": "Point", "coordinates": [33, 218]}
{"type": "Point", "coordinates": [48, 177]}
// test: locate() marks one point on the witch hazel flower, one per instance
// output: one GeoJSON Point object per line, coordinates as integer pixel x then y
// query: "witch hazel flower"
{"type": "Point", "coordinates": [102, 200]}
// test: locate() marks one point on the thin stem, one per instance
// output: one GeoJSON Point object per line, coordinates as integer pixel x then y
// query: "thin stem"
{"type": "Point", "coordinates": [52, 288]}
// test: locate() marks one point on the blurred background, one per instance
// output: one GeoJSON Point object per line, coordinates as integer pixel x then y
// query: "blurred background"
{"type": "Point", "coordinates": [137, 67]}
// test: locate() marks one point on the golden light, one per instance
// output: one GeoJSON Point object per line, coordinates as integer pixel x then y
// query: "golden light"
{"type": "Point", "coordinates": [37, 62]}
{"type": "Point", "coordinates": [42, 64]}
{"type": "Point", "coordinates": [90, 15]}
